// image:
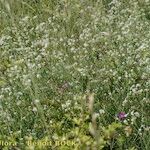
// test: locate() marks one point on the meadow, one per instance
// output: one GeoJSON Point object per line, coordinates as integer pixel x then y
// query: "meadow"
{"type": "Point", "coordinates": [74, 74]}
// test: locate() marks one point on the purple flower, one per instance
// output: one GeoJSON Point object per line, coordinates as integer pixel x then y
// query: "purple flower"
{"type": "Point", "coordinates": [122, 115]}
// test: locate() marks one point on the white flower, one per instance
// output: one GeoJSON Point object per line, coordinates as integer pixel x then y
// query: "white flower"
{"type": "Point", "coordinates": [101, 111]}
{"type": "Point", "coordinates": [18, 103]}
{"type": "Point", "coordinates": [36, 101]}
{"type": "Point", "coordinates": [136, 114]}
{"type": "Point", "coordinates": [34, 109]}
{"type": "Point", "coordinates": [124, 102]}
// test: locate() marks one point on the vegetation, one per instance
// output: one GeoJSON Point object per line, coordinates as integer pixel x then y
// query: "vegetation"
{"type": "Point", "coordinates": [74, 74]}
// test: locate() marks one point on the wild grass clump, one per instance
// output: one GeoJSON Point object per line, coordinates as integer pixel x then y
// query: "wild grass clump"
{"type": "Point", "coordinates": [74, 71]}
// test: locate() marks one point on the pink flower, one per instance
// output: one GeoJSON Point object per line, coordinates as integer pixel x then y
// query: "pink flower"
{"type": "Point", "coordinates": [122, 115]}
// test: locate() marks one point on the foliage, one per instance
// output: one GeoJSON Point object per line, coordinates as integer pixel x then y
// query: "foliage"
{"type": "Point", "coordinates": [68, 68]}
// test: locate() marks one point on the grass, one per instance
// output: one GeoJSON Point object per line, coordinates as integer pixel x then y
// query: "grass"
{"type": "Point", "coordinates": [68, 69]}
